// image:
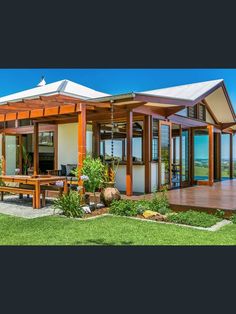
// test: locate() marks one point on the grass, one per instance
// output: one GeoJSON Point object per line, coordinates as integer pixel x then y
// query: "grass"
{"type": "Point", "coordinates": [108, 230]}
{"type": "Point", "coordinates": [194, 218]}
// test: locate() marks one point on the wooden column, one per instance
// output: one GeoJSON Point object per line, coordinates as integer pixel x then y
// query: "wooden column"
{"type": "Point", "coordinates": [96, 139]}
{"type": "Point", "coordinates": [20, 154]}
{"type": "Point", "coordinates": [36, 148]}
{"type": "Point", "coordinates": [3, 154]}
{"type": "Point", "coordinates": [81, 137]}
{"type": "Point", "coordinates": [55, 143]}
{"type": "Point", "coordinates": [211, 154]}
{"type": "Point", "coordinates": [219, 155]}
{"type": "Point", "coordinates": [147, 152]}
{"type": "Point", "coordinates": [129, 150]}
{"type": "Point", "coordinates": [191, 156]}
{"type": "Point", "coordinates": [231, 166]}
{"type": "Point", "coordinates": [159, 157]}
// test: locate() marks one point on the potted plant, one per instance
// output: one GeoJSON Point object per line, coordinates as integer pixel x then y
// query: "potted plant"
{"type": "Point", "coordinates": [110, 174]}
{"type": "Point", "coordinates": [92, 175]}
{"type": "Point", "coordinates": [109, 191]}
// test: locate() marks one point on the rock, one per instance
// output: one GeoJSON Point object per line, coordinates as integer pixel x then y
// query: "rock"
{"type": "Point", "coordinates": [86, 209]}
{"type": "Point", "coordinates": [149, 213]}
{"type": "Point", "coordinates": [109, 194]}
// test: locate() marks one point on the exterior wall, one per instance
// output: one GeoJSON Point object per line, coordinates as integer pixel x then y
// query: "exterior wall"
{"type": "Point", "coordinates": [68, 143]}
{"type": "Point", "coordinates": [209, 118]}
{"type": "Point", "coordinates": [154, 176]}
{"type": "Point", "coordinates": [138, 178]}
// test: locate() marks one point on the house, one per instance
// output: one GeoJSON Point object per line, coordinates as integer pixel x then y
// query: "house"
{"type": "Point", "coordinates": [176, 136]}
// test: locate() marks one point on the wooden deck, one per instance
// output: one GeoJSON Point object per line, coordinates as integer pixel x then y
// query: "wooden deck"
{"type": "Point", "coordinates": [222, 195]}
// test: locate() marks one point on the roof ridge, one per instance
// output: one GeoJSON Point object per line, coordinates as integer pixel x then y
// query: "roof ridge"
{"type": "Point", "coordinates": [187, 84]}
{"type": "Point", "coordinates": [62, 86]}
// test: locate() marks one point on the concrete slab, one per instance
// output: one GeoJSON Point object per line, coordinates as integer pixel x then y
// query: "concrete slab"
{"type": "Point", "coordinates": [14, 206]}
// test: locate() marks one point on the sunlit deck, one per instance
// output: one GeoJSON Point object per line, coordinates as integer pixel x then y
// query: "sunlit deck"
{"type": "Point", "coordinates": [222, 195]}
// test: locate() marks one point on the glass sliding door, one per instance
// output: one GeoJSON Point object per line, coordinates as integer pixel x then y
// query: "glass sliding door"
{"type": "Point", "coordinates": [234, 155]}
{"type": "Point", "coordinates": [201, 155]}
{"type": "Point", "coordinates": [185, 157]}
{"type": "Point", "coordinates": [175, 155]}
{"type": "Point", "coordinates": [165, 154]}
{"type": "Point", "coordinates": [225, 156]}
{"type": "Point", "coordinates": [12, 154]}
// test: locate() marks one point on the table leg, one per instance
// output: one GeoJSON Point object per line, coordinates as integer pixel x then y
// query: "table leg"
{"type": "Point", "coordinates": [37, 195]}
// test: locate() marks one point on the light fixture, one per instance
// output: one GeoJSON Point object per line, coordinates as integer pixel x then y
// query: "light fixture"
{"type": "Point", "coordinates": [115, 128]}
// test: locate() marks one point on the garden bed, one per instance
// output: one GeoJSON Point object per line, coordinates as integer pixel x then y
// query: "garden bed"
{"type": "Point", "coordinates": [96, 212]}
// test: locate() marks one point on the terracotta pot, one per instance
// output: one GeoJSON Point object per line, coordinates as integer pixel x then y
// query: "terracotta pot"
{"type": "Point", "coordinates": [109, 194]}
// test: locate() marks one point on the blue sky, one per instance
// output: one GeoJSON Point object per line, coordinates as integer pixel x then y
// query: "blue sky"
{"type": "Point", "coordinates": [115, 81]}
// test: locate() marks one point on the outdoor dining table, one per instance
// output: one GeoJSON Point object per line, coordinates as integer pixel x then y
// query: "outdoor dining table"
{"type": "Point", "coordinates": [35, 181]}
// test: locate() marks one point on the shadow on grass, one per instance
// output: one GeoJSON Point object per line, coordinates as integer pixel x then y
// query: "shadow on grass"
{"type": "Point", "coordinates": [103, 242]}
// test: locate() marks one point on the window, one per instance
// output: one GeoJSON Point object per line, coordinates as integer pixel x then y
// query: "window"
{"type": "Point", "coordinates": [155, 140]}
{"type": "Point", "coordinates": [25, 122]}
{"type": "Point", "coordinates": [201, 112]}
{"type": "Point", "coordinates": [192, 112]}
{"type": "Point", "coordinates": [197, 112]}
{"type": "Point", "coordinates": [46, 139]}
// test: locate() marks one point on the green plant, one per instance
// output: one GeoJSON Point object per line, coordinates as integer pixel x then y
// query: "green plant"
{"type": "Point", "coordinates": [220, 213]}
{"type": "Point", "coordinates": [93, 170]}
{"type": "Point", "coordinates": [233, 218]}
{"type": "Point", "coordinates": [193, 218]}
{"type": "Point", "coordinates": [70, 204]}
{"type": "Point", "coordinates": [26, 159]}
{"type": "Point", "coordinates": [125, 208]}
{"type": "Point", "coordinates": [160, 202]}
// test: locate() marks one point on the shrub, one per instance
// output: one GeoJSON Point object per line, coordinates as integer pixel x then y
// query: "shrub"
{"type": "Point", "coordinates": [193, 218]}
{"type": "Point", "coordinates": [220, 213]}
{"type": "Point", "coordinates": [94, 169]}
{"type": "Point", "coordinates": [70, 204]}
{"type": "Point", "coordinates": [233, 218]}
{"type": "Point", "coordinates": [160, 202]}
{"type": "Point", "coordinates": [125, 208]}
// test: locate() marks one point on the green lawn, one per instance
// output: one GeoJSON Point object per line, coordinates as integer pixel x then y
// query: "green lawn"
{"type": "Point", "coordinates": [105, 231]}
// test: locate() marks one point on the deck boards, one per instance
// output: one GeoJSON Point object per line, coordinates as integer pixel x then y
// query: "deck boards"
{"type": "Point", "coordinates": [222, 195]}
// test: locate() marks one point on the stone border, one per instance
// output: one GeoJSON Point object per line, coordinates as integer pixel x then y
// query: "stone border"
{"type": "Point", "coordinates": [215, 227]}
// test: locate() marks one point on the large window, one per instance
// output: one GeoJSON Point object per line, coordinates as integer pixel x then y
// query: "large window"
{"type": "Point", "coordinates": [225, 156]}
{"type": "Point", "coordinates": [185, 156]}
{"type": "Point", "coordinates": [201, 155]}
{"type": "Point", "coordinates": [234, 155]}
{"type": "Point", "coordinates": [11, 154]}
{"type": "Point", "coordinates": [165, 154]}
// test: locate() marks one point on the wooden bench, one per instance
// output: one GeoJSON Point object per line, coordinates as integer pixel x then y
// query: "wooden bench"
{"type": "Point", "coordinates": [21, 191]}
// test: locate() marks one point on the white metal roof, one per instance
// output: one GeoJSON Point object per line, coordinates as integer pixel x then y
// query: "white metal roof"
{"type": "Point", "coordinates": [64, 87]}
{"type": "Point", "coordinates": [187, 92]}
